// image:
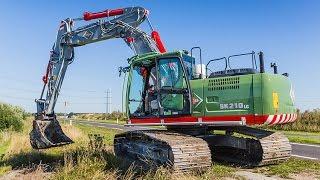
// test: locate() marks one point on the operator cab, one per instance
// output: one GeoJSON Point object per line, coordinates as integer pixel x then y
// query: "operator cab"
{"type": "Point", "coordinates": [159, 87]}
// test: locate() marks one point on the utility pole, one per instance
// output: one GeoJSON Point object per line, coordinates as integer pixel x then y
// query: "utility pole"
{"type": "Point", "coordinates": [110, 98]}
{"type": "Point", "coordinates": [105, 118]}
{"type": "Point", "coordinates": [108, 102]}
{"type": "Point", "coordinates": [65, 111]}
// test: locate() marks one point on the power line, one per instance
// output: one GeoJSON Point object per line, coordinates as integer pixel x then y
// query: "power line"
{"type": "Point", "coordinates": [61, 94]}
{"type": "Point", "coordinates": [24, 81]}
{"type": "Point", "coordinates": [20, 98]}
{"type": "Point", "coordinates": [30, 99]}
{"type": "Point", "coordinates": [20, 89]}
{"type": "Point", "coordinates": [32, 82]}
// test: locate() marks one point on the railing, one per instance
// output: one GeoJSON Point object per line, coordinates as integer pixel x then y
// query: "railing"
{"type": "Point", "coordinates": [227, 61]}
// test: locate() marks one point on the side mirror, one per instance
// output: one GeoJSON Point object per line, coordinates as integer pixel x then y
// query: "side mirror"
{"type": "Point", "coordinates": [275, 68]}
{"type": "Point", "coordinates": [123, 70]}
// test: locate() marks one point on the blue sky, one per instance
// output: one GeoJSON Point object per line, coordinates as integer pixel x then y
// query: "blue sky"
{"type": "Point", "coordinates": [287, 31]}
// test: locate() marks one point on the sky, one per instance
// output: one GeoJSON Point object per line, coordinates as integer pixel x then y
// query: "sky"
{"type": "Point", "coordinates": [287, 31]}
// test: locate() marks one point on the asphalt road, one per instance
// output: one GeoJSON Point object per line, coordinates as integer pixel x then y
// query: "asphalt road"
{"type": "Point", "coordinates": [305, 151]}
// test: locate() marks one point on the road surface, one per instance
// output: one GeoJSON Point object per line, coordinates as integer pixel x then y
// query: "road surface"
{"type": "Point", "coordinates": [305, 151]}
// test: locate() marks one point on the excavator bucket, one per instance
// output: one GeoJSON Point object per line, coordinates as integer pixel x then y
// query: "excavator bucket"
{"type": "Point", "coordinates": [47, 133]}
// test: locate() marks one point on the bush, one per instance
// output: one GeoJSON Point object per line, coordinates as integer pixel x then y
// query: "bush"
{"type": "Point", "coordinates": [306, 121]}
{"type": "Point", "coordinates": [102, 116]}
{"type": "Point", "coordinates": [11, 117]}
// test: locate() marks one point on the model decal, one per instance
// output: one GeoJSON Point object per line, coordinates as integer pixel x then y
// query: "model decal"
{"type": "Point", "coordinates": [234, 106]}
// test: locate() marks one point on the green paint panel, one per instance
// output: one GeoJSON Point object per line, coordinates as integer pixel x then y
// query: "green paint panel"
{"type": "Point", "coordinates": [277, 84]}
{"type": "Point", "coordinates": [259, 94]}
{"type": "Point", "coordinates": [228, 95]}
{"type": "Point", "coordinates": [197, 97]}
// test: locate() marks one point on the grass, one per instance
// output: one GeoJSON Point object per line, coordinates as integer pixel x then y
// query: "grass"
{"type": "Point", "coordinates": [300, 136]}
{"type": "Point", "coordinates": [108, 134]}
{"type": "Point", "coordinates": [4, 142]}
{"type": "Point", "coordinates": [219, 171]}
{"type": "Point", "coordinates": [102, 117]}
{"type": "Point", "coordinates": [109, 121]}
{"type": "Point", "coordinates": [19, 154]}
{"type": "Point", "coordinates": [292, 166]}
{"type": "Point", "coordinates": [103, 164]}
{"type": "Point", "coordinates": [303, 137]}
{"type": "Point", "coordinates": [82, 160]}
{"type": "Point", "coordinates": [4, 145]}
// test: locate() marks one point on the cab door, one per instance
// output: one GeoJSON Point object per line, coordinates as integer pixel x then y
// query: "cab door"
{"type": "Point", "coordinates": [174, 89]}
{"type": "Point", "coordinates": [135, 87]}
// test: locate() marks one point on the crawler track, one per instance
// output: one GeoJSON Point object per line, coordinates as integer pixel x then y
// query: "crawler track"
{"type": "Point", "coordinates": [276, 149]}
{"type": "Point", "coordinates": [181, 152]}
{"type": "Point", "coordinates": [262, 148]}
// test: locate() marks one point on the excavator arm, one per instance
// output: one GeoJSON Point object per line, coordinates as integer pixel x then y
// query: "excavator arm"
{"type": "Point", "coordinates": [124, 24]}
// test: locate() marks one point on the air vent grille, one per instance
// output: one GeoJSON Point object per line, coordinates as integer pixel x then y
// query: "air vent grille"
{"type": "Point", "coordinates": [223, 83]}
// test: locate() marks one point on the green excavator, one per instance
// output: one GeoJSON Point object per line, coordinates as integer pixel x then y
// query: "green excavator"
{"type": "Point", "coordinates": [209, 114]}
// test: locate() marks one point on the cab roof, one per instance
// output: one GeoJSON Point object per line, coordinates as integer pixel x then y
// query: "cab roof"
{"type": "Point", "coordinates": [152, 56]}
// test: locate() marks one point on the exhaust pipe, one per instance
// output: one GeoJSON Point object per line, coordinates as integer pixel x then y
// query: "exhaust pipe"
{"type": "Point", "coordinates": [261, 62]}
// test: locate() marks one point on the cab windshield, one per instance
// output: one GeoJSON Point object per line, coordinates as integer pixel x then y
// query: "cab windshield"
{"type": "Point", "coordinates": [171, 73]}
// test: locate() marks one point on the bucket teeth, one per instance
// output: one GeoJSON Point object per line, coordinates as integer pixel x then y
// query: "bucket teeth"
{"type": "Point", "coordinates": [47, 133]}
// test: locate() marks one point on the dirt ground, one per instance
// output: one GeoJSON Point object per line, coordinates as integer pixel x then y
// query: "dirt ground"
{"type": "Point", "coordinates": [26, 174]}
{"type": "Point", "coordinates": [39, 174]}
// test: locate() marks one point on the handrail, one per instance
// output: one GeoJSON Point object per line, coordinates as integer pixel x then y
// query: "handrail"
{"type": "Point", "coordinates": [199, 57]}
{"type": "Point", "coordinates": [227, 61]}
{"type": "Point", "coordinates": [217, 59]}
{"type": "Point", "coordinates": [244, 54]}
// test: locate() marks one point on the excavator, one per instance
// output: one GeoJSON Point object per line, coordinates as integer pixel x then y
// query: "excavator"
{"type": "Point", "coordinates": [209, 114]}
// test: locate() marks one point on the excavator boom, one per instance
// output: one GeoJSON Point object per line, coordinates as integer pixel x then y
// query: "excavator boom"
{"type": "Point", "coordinates": [118, 23]}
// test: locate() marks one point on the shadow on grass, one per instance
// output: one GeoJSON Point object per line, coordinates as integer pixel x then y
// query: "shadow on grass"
{"type": "Point", "coordinates": [79, 159]}
{"type": "Point", "coordinates": [31, 159]}
{"type": "Point", "coordinates": [74, 160]}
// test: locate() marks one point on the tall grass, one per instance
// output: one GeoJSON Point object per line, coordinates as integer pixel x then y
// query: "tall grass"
{"type": "Point", "coordinates": [95, 160]}
{"type": "Point", "coordinates": [11, 127]}
{"type": "Point", "coordinates": [308, 121]}
{"type": "Point", "coordinates": [87, 163]}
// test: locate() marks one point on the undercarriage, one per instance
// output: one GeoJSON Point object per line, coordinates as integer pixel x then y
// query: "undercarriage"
{"type": "Point", "coordinates": [179, 152]}
{"type": "Point", "coordinates": [182, 150]}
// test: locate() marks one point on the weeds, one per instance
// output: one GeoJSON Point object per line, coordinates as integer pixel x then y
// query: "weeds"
{"type": "Point", "coordinates": [96, 142]}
